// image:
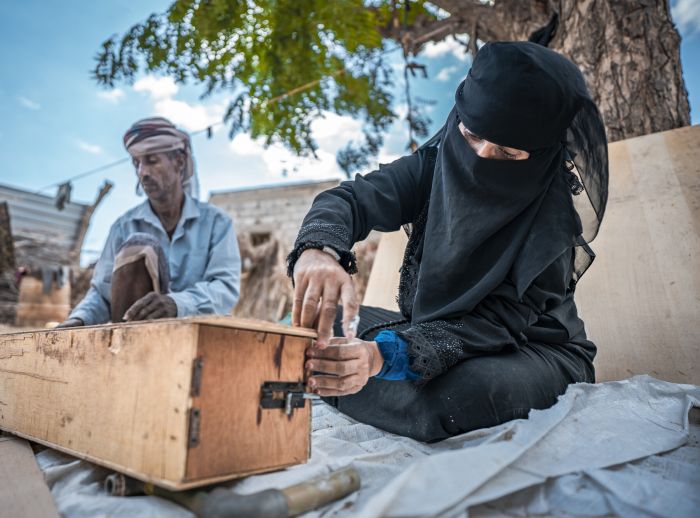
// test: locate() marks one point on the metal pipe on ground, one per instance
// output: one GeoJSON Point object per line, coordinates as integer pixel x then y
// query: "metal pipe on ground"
{"type": "Point", "coordinates": [271, 503]}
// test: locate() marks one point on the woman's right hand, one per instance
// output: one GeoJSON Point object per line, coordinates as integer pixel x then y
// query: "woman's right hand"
{"type": "Point", "coordinates": [319, 284]}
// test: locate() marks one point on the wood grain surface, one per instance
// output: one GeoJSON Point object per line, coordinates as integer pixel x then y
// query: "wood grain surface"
{"type": "Point", "coordinates": [640, 299]}
{"type": "Point", "coordinates": [115, 395]}
{"type": "Point", "coordinates": [236, 434]}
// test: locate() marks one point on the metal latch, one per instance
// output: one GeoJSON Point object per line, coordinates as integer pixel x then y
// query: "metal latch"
{"type": "Point", "coordinates": [284, 394]}
{"type": "Point", "coordinates": [193, 435]}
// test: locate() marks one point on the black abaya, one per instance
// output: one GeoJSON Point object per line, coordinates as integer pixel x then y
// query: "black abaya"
{"type": "Point", "coordinates": [495, 250]}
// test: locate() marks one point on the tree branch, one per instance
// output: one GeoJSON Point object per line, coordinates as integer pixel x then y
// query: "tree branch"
{"type": "Point", "coordinates": [505, 20]}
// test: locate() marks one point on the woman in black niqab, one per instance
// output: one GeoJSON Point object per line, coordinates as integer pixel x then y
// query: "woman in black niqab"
{"type": "Point", "coordinates": [488, 327]}
{"type": "Point", "coordinates": [490, 218]}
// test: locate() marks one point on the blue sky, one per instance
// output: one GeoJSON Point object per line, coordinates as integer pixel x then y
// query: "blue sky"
{"type": "Point", "coordinates": [55, 121]}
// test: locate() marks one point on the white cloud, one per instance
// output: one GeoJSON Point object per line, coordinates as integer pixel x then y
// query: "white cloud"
{"type": "Point", "coordinates": [331, 132]}
{"type": "Point", "coordinates": [401, 111]}
{"type": "Point", "coordinates": [113, 96]}
{"type": "Point", "coordinates": [446, 73]}
{"type": "Point", "coordinates": [447, 46]}
{"type": "Point", "coordinates": [188, 116]}
{"type": "Point", "coordinates": [191, 117]}
{"type": "Point", "coordinates": [28, 103]}
{"type": "Point", "coordinates": [243, 145]}
{"type": "Point", "coordinates": [93, 149]}
{"type": "Point", "coordinates": [686, 13]}
{"type": "Point", "coordinates": [277, 159]}
{"type": "Point", "coordinates": [157, 87]}
{"type": "Point", "coordinates": [386, 158]}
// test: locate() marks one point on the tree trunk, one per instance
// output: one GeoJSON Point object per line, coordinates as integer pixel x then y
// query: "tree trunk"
{"type": "Point", "coordinates": [7, 246]}
{"type": "Point", "coordinates": [628, 51]}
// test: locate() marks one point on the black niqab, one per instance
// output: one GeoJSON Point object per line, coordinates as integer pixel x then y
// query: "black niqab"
{"type": "Point", "coordinates": [494, 221]}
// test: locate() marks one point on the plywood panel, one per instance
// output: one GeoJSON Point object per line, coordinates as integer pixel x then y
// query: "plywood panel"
{"type": "Point", "coordinates": [235, 364]}
{"type": "Point", "coordinates": [121, 395]}
{"type": "Point", "coordinates": [116, 395]}
{"type": "Point", "coordinates": [31, 290]}
{"type": "Point", "coordinates": [250, 324]}
{"type": "Point", "coordinates": [35, 308]}
{"type": "Point", "coordinates": [383, 283]}
{"type": "Point", "coordinates": [23, 491]}
{"type": "Point", "coordinates": [641, 298]}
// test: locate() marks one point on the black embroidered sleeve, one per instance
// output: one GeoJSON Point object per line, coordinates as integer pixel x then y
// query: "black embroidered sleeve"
{"type": "Point", "coordinates": [317, 235]}
{"type": "Point", "coordinates": [496, 325]}
{"type": "Point", "coordinates": [381, 200]}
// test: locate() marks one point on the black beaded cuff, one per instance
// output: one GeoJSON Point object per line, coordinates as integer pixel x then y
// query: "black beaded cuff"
{"type": "Point", "coordinates": [317, 235]}
{"type": "Point", "coordinates": [425, 360]}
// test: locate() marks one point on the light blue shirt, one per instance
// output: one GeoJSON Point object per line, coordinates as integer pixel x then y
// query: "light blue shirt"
{"type": "Point", "coordinates": [203, 256]}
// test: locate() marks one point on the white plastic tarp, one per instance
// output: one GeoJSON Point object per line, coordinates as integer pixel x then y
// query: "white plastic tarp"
{"type": "Point", "coordinates": [600, 450]}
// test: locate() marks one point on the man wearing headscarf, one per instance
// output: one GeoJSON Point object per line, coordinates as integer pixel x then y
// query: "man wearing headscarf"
{"type": "Point", "coordinates": [172, 255]}
{"type": "Point", "coordinates": [502, 204]}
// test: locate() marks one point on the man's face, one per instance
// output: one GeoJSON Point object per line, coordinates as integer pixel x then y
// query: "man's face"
{"type": "Point", "coordinates": [159, 175]}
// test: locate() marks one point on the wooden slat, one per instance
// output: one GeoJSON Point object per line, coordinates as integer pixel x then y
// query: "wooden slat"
{"type": "Point", "coordinates": [640, 299]}
{"type": "Point", "coordinates": [31, 291]}
{"type": "Point", "coordinates": [383, 283]}
{"type": "Point", "coordinates": [23, 491]}
{"type": "Point", "coordinates": [221, 321]}
{"type": "Point", "coordinates": [229, 407]}
{"type": "Point", "coordinates": [254, 325]}
{"type": "Point", "coordinates": [115, 395]}
{"type": "Point", "coordinates": [35, 308]}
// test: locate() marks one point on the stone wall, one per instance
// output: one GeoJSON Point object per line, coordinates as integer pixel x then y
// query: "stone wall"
{"type": "Point", "coordinates": [277, 210]}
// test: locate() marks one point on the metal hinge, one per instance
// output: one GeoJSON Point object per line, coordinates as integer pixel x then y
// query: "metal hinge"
{"type": "Point", "coordinates": [193, 436]}
{"type": "Point", "coordinates": [287, 395]}
{"type": "Point", "coordinates": [197, 365]}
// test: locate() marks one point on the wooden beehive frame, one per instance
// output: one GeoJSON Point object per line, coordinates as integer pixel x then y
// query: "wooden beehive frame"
{"type": "Point", "coordinates": [121, 395]}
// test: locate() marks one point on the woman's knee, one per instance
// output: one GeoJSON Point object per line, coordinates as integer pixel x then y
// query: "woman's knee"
{"type": "Point", "coordinates": [483, 392]}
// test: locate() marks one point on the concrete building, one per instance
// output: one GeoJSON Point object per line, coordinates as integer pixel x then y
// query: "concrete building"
{"type": "Point", "coordinates": [265, 211]}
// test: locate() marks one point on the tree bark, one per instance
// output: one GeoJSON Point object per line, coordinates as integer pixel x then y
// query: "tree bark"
{"type": "Point", "coordinates": [628, 51]}
{"type": "Point", "coordinates": [7, 246]}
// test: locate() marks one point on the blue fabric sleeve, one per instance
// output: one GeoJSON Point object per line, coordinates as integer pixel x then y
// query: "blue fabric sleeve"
{"type": "Point", "coordinates": [218, 291]}
{"type": "Point", "coordinates": [396, 361]}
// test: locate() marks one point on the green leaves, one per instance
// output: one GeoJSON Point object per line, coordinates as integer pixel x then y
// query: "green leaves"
{"type": "Point", "coordinates": [283, 61]}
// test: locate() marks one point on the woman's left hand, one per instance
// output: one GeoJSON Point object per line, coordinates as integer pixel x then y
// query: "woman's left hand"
{"type": "Point", "coordinates": [343, 366]}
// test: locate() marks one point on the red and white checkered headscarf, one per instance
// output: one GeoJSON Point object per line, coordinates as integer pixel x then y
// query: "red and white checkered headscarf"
{"type": "Point", "coordinates": [159, 135]}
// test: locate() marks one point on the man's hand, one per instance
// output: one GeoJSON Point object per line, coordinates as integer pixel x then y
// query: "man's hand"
{"type": "Point", "coordinates": [319, 283]}
{"type": "Point", "coordinates": [151, 306]}
{"type": "Point", "coordinates": [346, 365]}
{"type": "Point", "coordinates": [70, 322]}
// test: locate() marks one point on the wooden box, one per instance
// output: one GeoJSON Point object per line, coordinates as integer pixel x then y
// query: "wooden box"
{"type": "Point", "coordinates": [36, 308]}
{"type": "Point", "coordinates": [180, 403]}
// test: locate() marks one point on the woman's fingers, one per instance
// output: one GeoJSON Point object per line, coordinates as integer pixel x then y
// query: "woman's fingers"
{"type": "Point", "coordinates": [343, 367]}
{"type": "Point", "coordinates": [337, 385]}
{"type": "Point", "coordinates": [300, 285]}
{"type": "Point", "coordinates": [338, 351]}
{"type": "Point", "coordinates": [348, 298]}
{"type": "Point", "coordinates": [339, 368]}
{"type": "Point", "coordinates": [310, 304]}
{"type": "Point", "coordinates": [327, 312]}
